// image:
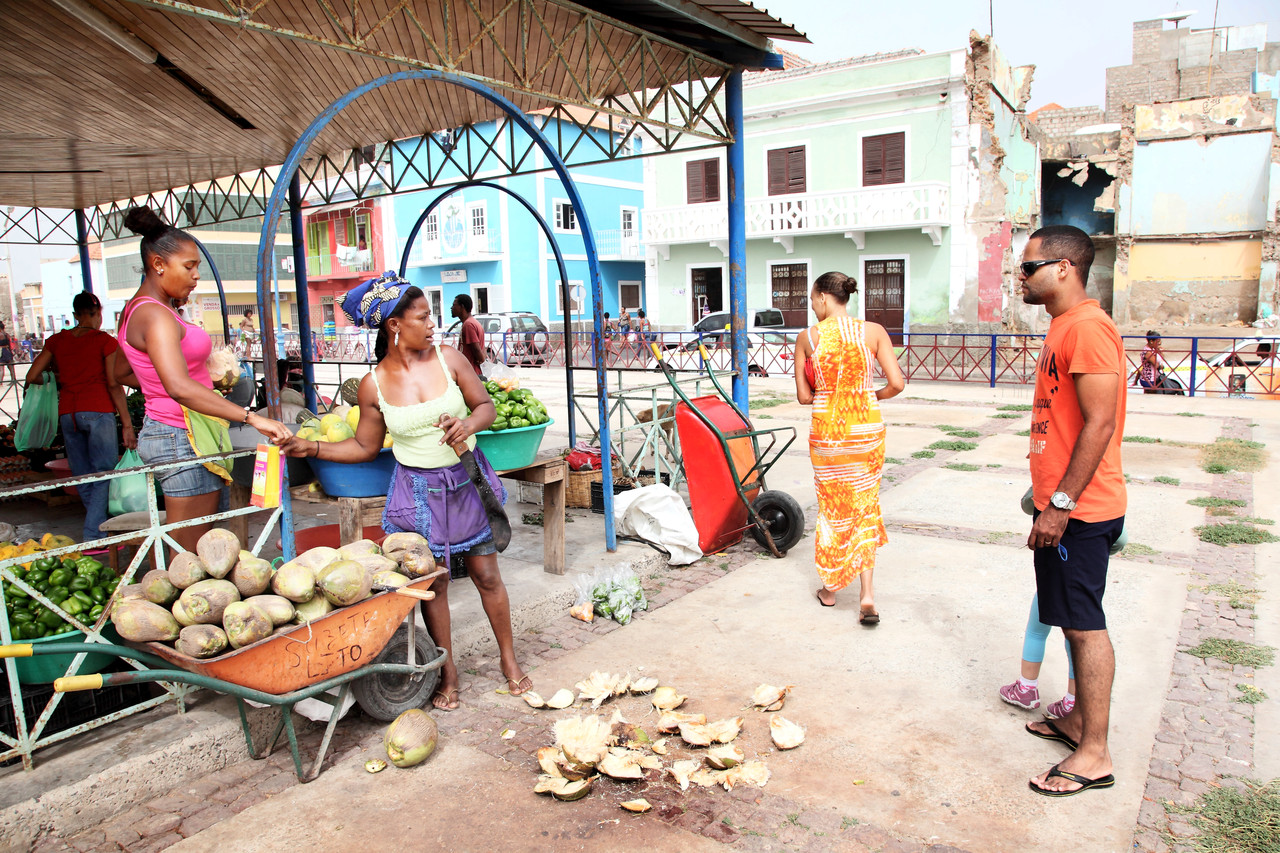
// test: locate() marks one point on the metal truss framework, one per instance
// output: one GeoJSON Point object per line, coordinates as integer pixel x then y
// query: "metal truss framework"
{"type": "Point", "coordinates": [431, 160]}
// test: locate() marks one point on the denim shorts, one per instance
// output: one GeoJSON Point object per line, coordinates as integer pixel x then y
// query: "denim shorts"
{"type": "Point", "coordinates": [159, 443]}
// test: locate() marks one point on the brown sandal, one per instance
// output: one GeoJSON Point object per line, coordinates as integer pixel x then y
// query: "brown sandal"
{"type": "Point", "coordinates": [445, 700]}
{"type": "Point", "coordinates": [514, 688]}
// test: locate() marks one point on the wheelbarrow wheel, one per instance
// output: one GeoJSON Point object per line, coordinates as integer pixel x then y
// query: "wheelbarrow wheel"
{"type": "Point", "coordinates": [782, 515]}
{"type": "Point", "coordinates": [385, 696]}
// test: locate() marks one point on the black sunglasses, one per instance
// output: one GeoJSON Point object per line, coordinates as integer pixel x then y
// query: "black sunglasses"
{"type": "Point", "coordinates": [1029, 267]}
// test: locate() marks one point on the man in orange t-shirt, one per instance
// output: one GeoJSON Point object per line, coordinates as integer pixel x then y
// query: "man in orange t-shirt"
{"type": "Point", "coordinates": [1077, 424]}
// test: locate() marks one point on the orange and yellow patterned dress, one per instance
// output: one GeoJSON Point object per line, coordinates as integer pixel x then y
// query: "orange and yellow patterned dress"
{"type": "Point", "coordinates": [846, 447]}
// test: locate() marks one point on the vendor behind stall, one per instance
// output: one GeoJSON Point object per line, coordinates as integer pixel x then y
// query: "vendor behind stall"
{"type": "Point", "coordinates": [89, 398]}
{"type": "Point", "coordinates": [429, 399]}
{"type": "Point", "coordinates": [185, 417]}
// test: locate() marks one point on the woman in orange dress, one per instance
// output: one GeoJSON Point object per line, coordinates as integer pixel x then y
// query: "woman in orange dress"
{"type": "Point", "coordinates": [846, 439]}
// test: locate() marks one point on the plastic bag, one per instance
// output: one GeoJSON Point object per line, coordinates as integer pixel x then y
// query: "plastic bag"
{"type": "Point", "coordinates": [504, 375]}
{"type": "Point", "coordinates": [613, 592]}
{"type": "Point", "coordinates": [38, 421]}
{"type": "Point", "coordinates": [128, 494]}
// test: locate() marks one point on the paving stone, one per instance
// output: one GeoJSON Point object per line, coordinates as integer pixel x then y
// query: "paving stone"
{"type": "Point", "coordinates": [91, 839]}
{"type": "Point", "coordinates": [155, 843]}
{"type": "Point", "coordinates": [277, 783]}
{"type": "Point", "coordinates": [120, 834]}
{"type": "Point", "coordinates": [156, 824]}
{"type": "Point", "coordinates": [1152, 815]}
{"type": "Point", "coordinates": [200, 821]}
{"type": "Point", "coordinates": [719, 831]}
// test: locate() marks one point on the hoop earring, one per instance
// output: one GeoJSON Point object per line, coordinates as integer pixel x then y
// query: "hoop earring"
{"type": "Point", "coordinates": [397, 341]}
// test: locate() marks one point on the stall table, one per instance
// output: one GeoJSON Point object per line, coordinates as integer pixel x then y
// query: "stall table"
{"type": "Point", "coordinates": [549, 471]}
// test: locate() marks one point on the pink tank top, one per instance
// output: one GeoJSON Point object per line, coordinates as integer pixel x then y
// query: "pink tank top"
{"type": "Point", "coordinates": [196, 348]}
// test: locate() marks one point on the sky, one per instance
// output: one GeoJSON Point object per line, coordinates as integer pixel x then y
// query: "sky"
{"type": "Point", "coordinates": [1071, 46]}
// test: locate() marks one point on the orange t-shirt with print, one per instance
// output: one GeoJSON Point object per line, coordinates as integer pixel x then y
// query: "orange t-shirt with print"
{"type": "Point", "coordinates": [1082, 340]}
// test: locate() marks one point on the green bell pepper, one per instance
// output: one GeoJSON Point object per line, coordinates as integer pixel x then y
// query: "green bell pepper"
{"type": "Point", "coordinates": [73, 606]}
{"type": "Point", "coordinates": [46, 564]}
{"type": "Point", "coordinates": [58, 593]}
{"type": "Point", "coordinates": [35, 577]}
{"type": "Point", "coordinates": [499, 424]}
{"type": "Point", "coordinates": [60, 576]}
{"type": "Point", "coordinates": [99, 594]}
{"type": "Point", "coordinates": [49, 619]}
{"type": "Point", "coordinates": [80, 582]}
{"type": "Point", "coordinates": [95, 612]}
{"type": "Point", "coordinates": [83, 597]}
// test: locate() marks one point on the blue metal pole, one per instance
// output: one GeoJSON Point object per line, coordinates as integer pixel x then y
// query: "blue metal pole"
{"type": "Point", "coordinates": [303, 295]}
{"type": "Point", "coordinates": [993, 361]}
{"type": "Point", "coordinates": [271, 218]}
{"type": "Point", "coordinates": [82, 238]}
{"type": "Point", "coordinates": [737, 235]}
{"type": "Point", "coordinates": [1195, 356]}
{"type": "Point", "coordinates": [222, 293]}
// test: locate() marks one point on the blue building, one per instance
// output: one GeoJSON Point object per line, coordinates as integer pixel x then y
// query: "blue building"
{"type": "Point", "coordinates": [483, 242]}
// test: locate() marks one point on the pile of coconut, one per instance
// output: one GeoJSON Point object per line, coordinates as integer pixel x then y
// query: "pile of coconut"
{"type": "Point", "coordinates": [223, 598]}
{"type": "Point", "coordinates": [700, 752]}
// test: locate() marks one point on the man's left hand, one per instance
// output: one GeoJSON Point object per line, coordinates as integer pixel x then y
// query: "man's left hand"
{"type": "Point", "coordinates": [1048, 528]}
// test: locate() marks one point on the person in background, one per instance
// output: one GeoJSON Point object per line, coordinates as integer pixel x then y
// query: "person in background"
{"type": "Point", "coordinates": [428, 398]}
{"type": "Point", "coordinates": [6, 355]}
{"type": "Point", "coordinates": [1151, 365]}
{"type": "Point", "coordinates": [165, 357]}
{"type": "Point", "coordinates": [1025, 692]}
{"type": "Point", "coordinates": [1077, 427]}
{"type": "Point", "coordinates": [247, 329]}
{"type": "Point", "coordinates": [89, 399]}
{"type": "Point", "coordinates": [846, 440]}
{"type": "Point", "coordinates": [471, 335]}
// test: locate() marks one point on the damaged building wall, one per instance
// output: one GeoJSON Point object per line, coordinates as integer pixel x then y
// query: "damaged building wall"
{"type": "Point", "coordinates": [1192, 210]}
{"type": "Point", "coordinates": [1004, 178]}
{"type": "Point", "coordinates": [1269, 269]}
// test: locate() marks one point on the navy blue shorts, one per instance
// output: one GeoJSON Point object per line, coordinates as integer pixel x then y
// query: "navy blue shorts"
{"type": "Point", "coordinates": [1071, 589]}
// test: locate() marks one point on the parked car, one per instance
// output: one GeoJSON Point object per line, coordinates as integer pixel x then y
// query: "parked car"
{"type": "Point", "coordinates": [1249, 368]}
{"type": "Point", "coordinates": [520, 334]}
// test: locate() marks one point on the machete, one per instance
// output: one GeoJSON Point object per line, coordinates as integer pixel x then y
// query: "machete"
{"type": "Point", "coordinates": [498, 521]}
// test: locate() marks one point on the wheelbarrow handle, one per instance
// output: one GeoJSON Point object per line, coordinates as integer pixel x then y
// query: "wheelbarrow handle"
{"type": "Point", "coordinates": [420, 594]}
{"type": "Point", "coordinates": [72, 683]}
{"type": "Point", "coordinates": [657, 353]}
{"type": "Point", "coordinates": [17, 650]}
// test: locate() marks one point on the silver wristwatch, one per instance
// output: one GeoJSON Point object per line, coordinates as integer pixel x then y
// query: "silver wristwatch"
{"type": "Point", "coordinates": [1062, 500]}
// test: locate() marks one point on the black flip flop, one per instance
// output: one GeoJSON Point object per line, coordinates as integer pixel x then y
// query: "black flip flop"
{"type": "Point", "coordinates": [869, 618]}
{"type": "Point", "coordinates": [1084, 782]}
{"type": "Point", "coordinates": [1058, 735]}
{"type": "Point", "coordinates": [818, 595]}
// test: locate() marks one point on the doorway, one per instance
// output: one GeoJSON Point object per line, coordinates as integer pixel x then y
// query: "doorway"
{"type": "Point", "coordinates": [789, 288]}
{"type": "Point", "coordinates": [480, 299]}
{"type": "Point", "coordinates": [435, 298]}
{"type": "Point", "coordinates": [707, 287]}
{"type": "Point", "coordinates": [886, 283]}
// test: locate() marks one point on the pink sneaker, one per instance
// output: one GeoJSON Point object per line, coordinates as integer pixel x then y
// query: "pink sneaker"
{"type": "Point", "coordinates": [1059, 709]}
{"type": "Point", "coordinates": [1023, 697]}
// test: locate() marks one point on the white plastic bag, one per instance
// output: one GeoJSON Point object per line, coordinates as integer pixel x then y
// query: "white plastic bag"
{"type": "Point", "coordinates": [657, 514]}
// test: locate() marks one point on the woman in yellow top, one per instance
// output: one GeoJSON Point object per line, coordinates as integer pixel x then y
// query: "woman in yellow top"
{"type": "Point", "coordinates": [846, 440]}
{"type": "Point", "coordinates": [430, 400]}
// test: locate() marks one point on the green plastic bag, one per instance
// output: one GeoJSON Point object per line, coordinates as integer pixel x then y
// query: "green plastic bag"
{"type": "Point", "coordinates": [38, 420]}
{"type": "Point", "coordinates": [128, 494]}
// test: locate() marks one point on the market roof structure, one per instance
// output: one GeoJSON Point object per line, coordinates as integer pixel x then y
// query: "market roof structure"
{"type": "Point", "coordinates": [106, 100]}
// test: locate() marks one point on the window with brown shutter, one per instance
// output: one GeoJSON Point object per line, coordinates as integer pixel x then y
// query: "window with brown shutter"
{"type": "Point", "coordinates": [884, 159]}
{"type": "Point", "coordinates": [786, 171]}
{"type": "Point", "coordinates": [702, 181]}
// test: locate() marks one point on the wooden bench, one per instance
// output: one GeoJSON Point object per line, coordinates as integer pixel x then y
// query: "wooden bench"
{"type": "Point", "coordinates": [355, 513]}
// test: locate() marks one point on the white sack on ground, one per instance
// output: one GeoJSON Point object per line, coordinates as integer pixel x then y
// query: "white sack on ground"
{"type": "Point", "coordinates": [657, 514]}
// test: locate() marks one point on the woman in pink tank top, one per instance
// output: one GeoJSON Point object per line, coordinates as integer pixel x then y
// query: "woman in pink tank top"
{"type": "Point", "coordinates": [166, 358]}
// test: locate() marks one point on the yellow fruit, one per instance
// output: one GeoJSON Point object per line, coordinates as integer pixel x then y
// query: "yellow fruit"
{"type": "Point", "coordinates": [329, 421]}
{"type": "Point", "coordinates": [339, 432]}
{"type": "Point", "coordinates": [386, 442]}
{"type": "Point", "coordinates": [307, 434]}
{"type": "Point", "coordinates": [353, 417]}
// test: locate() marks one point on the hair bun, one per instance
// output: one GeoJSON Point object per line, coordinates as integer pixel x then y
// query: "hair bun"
{"type": "Point", "coordinates": [144, 222]}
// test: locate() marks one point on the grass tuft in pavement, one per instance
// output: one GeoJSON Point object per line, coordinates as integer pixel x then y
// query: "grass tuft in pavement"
{"type": "Point", "coordinates": [1250, 695]}
{"type": "Point", "coordinates": [1141, 439]}
{"type": "Point", "coordinates": [1137, 549]}
{"type": "Point", "coordinates": [1234, 533]}
{"type": "Point", "coordinates": [1005, 416]}
{"type": "Point", "coordinates": [1233, 454]}
{"type": "Point", "coordinates": [1168, 481]}
{"type": "Point", "coordinates": [1231, 821]}
{"type": "Point", "coordinates": [923, 454]}
{"type": "Point", "coordinates": [1238, 595]}
{"type": "Point", "coordinates": [952, 445]}
{"type": "Point", "coordinates": [958, 432]}
{"type": "Point", "coordinates": [962, 466]}
{"type": "Point", "coordinates": [892, 460]}
{"type": "Point", "coordinates": [1190, 414]}
{"type": "Point", "coordinates": [1234, 652]}
{"type": "Point", "coordinates": [769, 402]}
{"type": "Point", "coordinates": [1213, 502]}
{"type": "Point", "coordinates": [1015, 407]}
{"type": "Point", "coordinates": [1023, 432]}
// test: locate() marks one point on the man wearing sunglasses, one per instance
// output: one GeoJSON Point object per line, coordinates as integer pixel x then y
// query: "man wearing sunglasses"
{"type": "Point", "coordinates": [1076, 429]}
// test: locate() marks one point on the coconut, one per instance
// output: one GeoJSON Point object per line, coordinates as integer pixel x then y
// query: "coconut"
{"type": "Point", "coordinates": [206, 601]}
{"type": "Point", "coordinates": [375, 765]}
{"type": "Point", "coordinates": [201, 641]}
{"type": "Point", "coordinates": [597, 687]}
{"type": "Point", "coordinates": [724, 756]}
{"type": "Point", "coordinates": [620, 767]}
{"type": "Point", "coordinates": [670, 721]}
{"type": "Point", "coordinates": [186, 569]}
{"type": "Point", "coordinates": [374, 563]}
{"type": "Point", "coordinates": [706, 777]}
{"type": "Point", "coordinates": [219, 549]}
{"type": "Point", "coordinates": [571, 791]}
{"type": "Point", "coordinates": [393, 579]}
{"type": "Point", "coordinates": [410, 738]}
{"type": "Point", "coordinates": [681, 771]}
{"type": "Point", "coordinates": [769, 698]}
{"type": "Point", "coordinates": [309, 611]}
{"type": "Point", "coordinates": [583, 740]}
{"type": "Point", "coordinates": [639, 806]}
{"type": "Point", "coordinates": [277, 607]}
{"type": "Point", "coordinates": [643, 685]}
{"type": "Point", "coordinates": [667, 699]}
{"type": "Point", "coordinates": [723, 731]}
{"type": "Point", "coordinates": [659, 746]}
{"type": "Point", "coordinates": [180, 612]}
{"type": "Point", "coordinates": [246, 624]}
{"type": "Point", "coordinates": [695, 735]}
{"type": "Point", "coordinates": [533, 700]}
{"type": "Point", "coordinates": [418, 560]}
{"type": "Point", "coordinates": [753, 772]}
{"type": "Point", "coordinates": [548, 756]}
{"type": "Point", "coordinates": [561, 699]}
{"type": "Point", "coordinates": [158, 589]}
{"type": "Point", "coordinates": [359, 548]}
{"type": "Point", "coordinates": [223, 367]}
{"type": "Point", "coordinates": [548, 782]}
{"type": "Point", "coordinates": [141, 621]}
{"type": "Point", "coordinates": [317, 557]}
{"type": "Point", "coordinates": [785, 734]}
{"type": "Point", "coordinates": [251, 575]}
{"type": "Point", "coordinates": [294, 581]}
{"type": "Point", "coordinates": [344, 582]}
{"type": "Point", "coordinates": [394, 545]}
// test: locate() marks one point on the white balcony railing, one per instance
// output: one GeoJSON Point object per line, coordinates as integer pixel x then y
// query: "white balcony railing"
{"type": "Point", "coordinates": [617, 244]}
{"type": "Point", "coordinates": [346, 261]}
{"type": "Point", "coordinates": [922, 205]}
{"type": "Point", "coordinates": [478, 247]}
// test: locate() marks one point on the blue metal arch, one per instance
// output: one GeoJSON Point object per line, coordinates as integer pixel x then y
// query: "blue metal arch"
{"type": "Point", "coordinates": [271, 219]}
{"type": "Point", "coordinates": [555, 247]}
